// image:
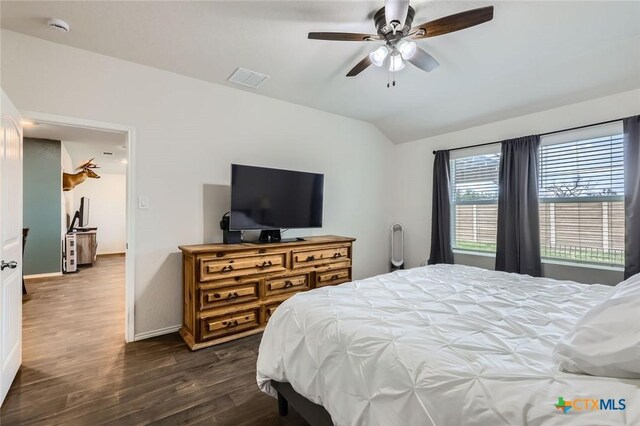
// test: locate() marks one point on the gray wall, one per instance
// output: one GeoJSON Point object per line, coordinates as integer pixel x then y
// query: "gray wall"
{"type": "Point", "coordinates": [216, 201]}
{"type": "Point", "coordinates": [42, 201]}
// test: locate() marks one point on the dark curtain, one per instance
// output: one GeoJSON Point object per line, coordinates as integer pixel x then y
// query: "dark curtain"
{"type": "Point", "coordinates": [518, 240]}
{"type": "Point", "coordinates": [631, 126]}
{"type": "Point", "coordinates": [441, 251]}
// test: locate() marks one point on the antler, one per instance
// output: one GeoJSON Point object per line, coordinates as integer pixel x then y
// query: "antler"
{"type": "Point", "coordinates": [88, 165]}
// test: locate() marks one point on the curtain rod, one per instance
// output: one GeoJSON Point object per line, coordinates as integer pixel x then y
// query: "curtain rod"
{"type": "Point", "coordinates": [541, 134]}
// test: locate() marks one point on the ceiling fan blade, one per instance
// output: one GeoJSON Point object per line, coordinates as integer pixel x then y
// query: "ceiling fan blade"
{"type": "Point", "coordinates": [344, 36]}
{"type": "Point", "coordinates": [360, 66]}
{"type": "Point", "coordinates": [452, 23]}
{"type": "Point", "coordinates": [396, 11]}
{"type": "Point", "coordinates": [424, 61]}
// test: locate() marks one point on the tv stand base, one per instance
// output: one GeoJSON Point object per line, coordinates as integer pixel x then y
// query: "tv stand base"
{"type": "Point", "coordinates": [270, 236]}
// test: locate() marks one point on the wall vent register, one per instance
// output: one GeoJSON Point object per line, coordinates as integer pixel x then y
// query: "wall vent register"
{"type": "Point", "coordinates": [247, 78]}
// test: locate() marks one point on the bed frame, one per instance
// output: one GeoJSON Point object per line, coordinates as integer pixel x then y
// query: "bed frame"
{"type": "Point", "coordinates": [313, 413]}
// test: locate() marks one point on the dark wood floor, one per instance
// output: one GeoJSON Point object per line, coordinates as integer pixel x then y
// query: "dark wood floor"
{"type": "Point", "coordinates": [77, 370]}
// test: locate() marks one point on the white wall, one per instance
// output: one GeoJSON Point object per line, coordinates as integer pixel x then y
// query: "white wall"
{"type": "Point", "coordinates": [187, 134]}
{"type": "Point", "coordinates": [107, 210]}
{"type": "Point", "coordinates": [413, 164]}
{"type": "Point", "coordinates": [67, 196]}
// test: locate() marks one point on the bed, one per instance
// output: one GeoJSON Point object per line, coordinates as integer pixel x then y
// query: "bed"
{"type": "Point", "coordinates": [442, 344]}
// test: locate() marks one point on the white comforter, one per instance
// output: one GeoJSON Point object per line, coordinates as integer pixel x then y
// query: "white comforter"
{"type": "Point", "coordinates": [444, 345]}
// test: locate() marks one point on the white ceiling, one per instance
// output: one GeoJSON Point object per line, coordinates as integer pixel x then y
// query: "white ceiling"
{"type": "Point", "coordinates": [84, 144]}
{"type": "Point", "coordinates": [534, 55]}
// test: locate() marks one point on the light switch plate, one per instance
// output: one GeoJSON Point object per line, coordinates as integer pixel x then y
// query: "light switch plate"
{"type": "Point", "coordinates": [143, 202]}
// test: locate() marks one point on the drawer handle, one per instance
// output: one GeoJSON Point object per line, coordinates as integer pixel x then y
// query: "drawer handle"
{"type": "Point", "coordinates": [232, 296]}
{"type": "Point", "coordinates": [334, 277]}
{"type": "Point", "coordinates": [288, 284]}
{"type": "Point", "coordinates": [230, 324]}
{"type": "Point", "coordinates": [265, 264]}
{"type": "Point", "coordinates": [227, 268]}
{"type": "Point", "coordinates": [337, 255]}
{"type": "Point", "coordinates": [311, 258]}
{"type": "Point", "coordinates": [217, 295]}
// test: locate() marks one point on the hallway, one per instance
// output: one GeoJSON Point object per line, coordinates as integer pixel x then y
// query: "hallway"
{"type": "Point", "coordinates": [77, 370]}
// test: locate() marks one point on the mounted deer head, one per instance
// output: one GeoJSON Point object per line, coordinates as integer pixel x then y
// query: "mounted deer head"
{"type": "Point", "coordinates": [70, 181]}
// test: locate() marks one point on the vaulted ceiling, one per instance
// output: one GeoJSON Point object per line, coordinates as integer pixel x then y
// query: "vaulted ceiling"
{"type": "Point", "coordinates": [532, 56]}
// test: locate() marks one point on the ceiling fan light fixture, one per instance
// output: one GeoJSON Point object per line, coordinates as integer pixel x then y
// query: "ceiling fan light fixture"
{"type": "Point", "coordinates": [379, 55]}
{"type": "Point", "coordinates": [395, 62]}
{"type": "Point", "coordinates": [393, 23]}
{"type": "Point", "coordinates": [407, 49]}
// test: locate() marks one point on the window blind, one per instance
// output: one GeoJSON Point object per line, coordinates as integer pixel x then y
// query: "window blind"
{"type": "Point", "coordinates": [474, 207]}
{"type": "Point", "coordinates": [581, 190]}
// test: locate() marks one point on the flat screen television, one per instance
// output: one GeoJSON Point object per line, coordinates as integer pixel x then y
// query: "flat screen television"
{"type": "Point", "coordinates": [271, 199]}
{"type": "Point", "coordinates": [84, 211]}
{"type": "Point", "coordinates": [81, 217]}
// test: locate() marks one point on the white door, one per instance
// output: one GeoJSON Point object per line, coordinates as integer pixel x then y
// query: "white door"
{"type": "Point", "coordinates": [10, 244]}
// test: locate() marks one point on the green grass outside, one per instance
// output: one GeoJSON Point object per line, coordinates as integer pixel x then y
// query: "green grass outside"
{"type": "Point", "coordinates": [475, 246]}
{"type": "Point", "coordinates": [576, 254]}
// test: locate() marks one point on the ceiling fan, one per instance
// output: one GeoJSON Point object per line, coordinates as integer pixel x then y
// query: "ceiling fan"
{"type": "Point", "coordinates": [393, 25]}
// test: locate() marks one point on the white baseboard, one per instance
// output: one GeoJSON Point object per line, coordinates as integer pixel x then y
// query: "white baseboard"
{"type": "Point", "coordinates": [154, 333]}
{"type": "Point", "coordinates": [48, 275]}
{"type": "Point", "coordinates": [111, 253]}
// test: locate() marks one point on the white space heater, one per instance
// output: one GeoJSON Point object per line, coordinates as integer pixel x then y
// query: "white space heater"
{"type": "Point", "coordinates": [397, 247]}
{"type": "Point", "coordinates": [70, 253]}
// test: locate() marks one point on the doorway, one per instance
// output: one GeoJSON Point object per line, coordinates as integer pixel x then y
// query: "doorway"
{"type": "Point", "coordinates": [101, 149]}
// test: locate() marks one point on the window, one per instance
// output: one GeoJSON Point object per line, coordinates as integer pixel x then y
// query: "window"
{"type": "Point", "coordinates": [474, 208]}
{"type": "Point", "coordinates": [581, 190]}
{"type": "Point", "coordinates": [581, 193]}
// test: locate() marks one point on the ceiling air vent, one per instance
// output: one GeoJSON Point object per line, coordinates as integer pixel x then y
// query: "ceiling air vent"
{"type": "Point", "coordinates": [107, 153]}
{"type": "Point", "coordinates": [247, 77]}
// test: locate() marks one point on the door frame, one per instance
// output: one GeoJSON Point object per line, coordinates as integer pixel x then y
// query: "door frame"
{"type": "Point", "coordinates": [130, 135]}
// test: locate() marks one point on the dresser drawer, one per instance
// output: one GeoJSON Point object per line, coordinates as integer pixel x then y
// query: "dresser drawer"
{"type": "Point", "coordinates": [286, 284]}
{"type": "Point", "coordinates": [217, 269]}
{"type": "Point", "coordinates": [269, 310]}
{"type": "Point", "coordinates": [333, 277]}
{"type": "Point", "coordinates": [231, 323]}
{"type": "Point", "coordinates": [220, 297]}
{"type": "Point", "coordinates": [306, 258]}
{"type": "Point", "coordinates": [230, 291]}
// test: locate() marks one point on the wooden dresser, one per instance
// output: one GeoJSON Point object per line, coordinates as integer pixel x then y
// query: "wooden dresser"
{"type": "Point", "coordinates": [231, 290]}
{"type": "Point", "coordinates": [86, 246]}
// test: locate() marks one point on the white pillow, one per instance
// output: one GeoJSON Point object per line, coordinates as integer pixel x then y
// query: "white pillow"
{"type": "Point", "coordinates": [606, 341]}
